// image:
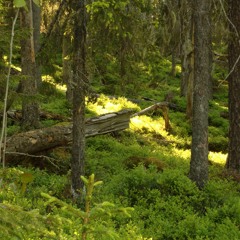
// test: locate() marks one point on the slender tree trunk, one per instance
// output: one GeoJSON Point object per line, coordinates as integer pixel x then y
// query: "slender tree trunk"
{"type": "Point", "coordinates": [79, 92]}
{"type": "Point", "coordinates": [30, 110]}
{"type": "Point", "coordinates": [233, 160]}
{"type": "Point", "coordinates": [173, 70]}
{"type": "Point", "coordinates": [123, 66]}
{"type": "Point", "coordinates": [202, 75]}
{"type": "Point", "coordinates": [187, 55]}
{"type": "Point", "coordinates": [67, 65]}
{"type": "Point", "coordinates": [36, 37]}
{"type": "Point", "coordinates": [190, 79]}
{"type": "Point", "coordinates": [187, 61]}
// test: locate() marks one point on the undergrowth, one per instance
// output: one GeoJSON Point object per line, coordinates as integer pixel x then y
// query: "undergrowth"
{"type": "Point", "coordinates": [144, 167]}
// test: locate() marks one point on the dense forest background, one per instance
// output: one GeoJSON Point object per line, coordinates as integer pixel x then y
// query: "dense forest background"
{"type": "Point", "coordinates": [119, 119]}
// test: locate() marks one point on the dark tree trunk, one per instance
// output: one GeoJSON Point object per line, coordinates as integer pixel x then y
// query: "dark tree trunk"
{"type": "Point", "coordinates": [67, 65]}
{"type": "Point", "coordinates": [122, 59]}
{"type": "Point", "coordinates": [173, 69]}
{"type": "Point", "coordinates": [187, 55]}
{"type": "Point", "coordinates": [233, 161]}
{"type": "Point", "coordinates": [186, 46]}
{"type": "Point", "coordinates": [79, 93]}
{"type": "Point", "coordinates": [36, 37]}
{"type": "Point", "coordinates": [28, 64]}
{"type": "Point", "coordinates": [202, 75]}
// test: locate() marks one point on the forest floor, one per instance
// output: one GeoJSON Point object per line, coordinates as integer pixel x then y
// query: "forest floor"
{"type": "Point", "coordinates": [146, 192]}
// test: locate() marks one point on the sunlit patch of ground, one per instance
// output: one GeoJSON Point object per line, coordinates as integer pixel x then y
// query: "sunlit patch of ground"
{"type": "Point", "coordinates": [218, 157]}
{"type": "Point", "coordinates": [50, 79]}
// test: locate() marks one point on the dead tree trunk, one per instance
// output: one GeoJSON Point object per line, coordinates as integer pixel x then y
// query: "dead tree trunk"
{"type": "Point", "coordinates": [35, 141]}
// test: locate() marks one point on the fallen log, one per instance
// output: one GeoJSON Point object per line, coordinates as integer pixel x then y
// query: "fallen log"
{"type": "Point", "coordinates": [39, 140]}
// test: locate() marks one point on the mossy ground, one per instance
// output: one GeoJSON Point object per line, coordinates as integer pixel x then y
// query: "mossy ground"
{"type": "Point", "coordinates": [167, 204]}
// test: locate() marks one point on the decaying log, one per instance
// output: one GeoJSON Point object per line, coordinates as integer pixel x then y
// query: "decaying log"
{"type": "Point", "coordinates": [39, 140]}
{"type": "Point", "coordinates": [161, 105]}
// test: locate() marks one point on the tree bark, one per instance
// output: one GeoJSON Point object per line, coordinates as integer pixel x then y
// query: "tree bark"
{"type": "Point", "coordinates": [202, 75]}
{"type": "Point", "coordinates": [187, 55]}
{"type": "Point", "coordinates": [233, 160]}
{"type": "Point", "coordinates": [174, 56]}
{"type": "Point", "coordinates": [36, 38]}
{"type": "Point", "coordinates": [28, 64]}
{"type": "Point", "coordinates": [187, 61]}
{"type": "Point", "coordinates": [79, 93]}
{"type": "Point", "coordinates": [67, 65]}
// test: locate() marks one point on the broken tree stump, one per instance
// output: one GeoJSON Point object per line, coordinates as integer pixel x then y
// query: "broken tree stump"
{"type": "Point", "coordinates": [161, 105]}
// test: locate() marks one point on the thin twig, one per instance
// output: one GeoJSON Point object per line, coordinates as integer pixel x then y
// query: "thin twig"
{"type": "Point", "coordinates": [4, 121]}
{"type": "Point", "coordinates": [237, 34]}
{"type": "Point", "coordinates": [228, 19]}
{"type": "Point", "coordinates": [235, 64]}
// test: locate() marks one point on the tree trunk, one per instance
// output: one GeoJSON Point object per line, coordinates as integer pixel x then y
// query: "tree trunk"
{"type": "Point", "coordinates": [202, 75]}
{"type": "Point", "coordinates": [36, 37]}
{"type": "Point", "coordinates": [173, 69]}
{"type": "Point", "coordinates": [67, 65]}
{"type": "Point", "coordinates": [28, 64]}
{"type": "Point", "coordinates": [233, 160]}
{"type": "Point", "coordinates": [122, 72]}
{"type": "Point", "coordinates": [187, 61]}
{"type": "Point", "coordinates": [79, 93]}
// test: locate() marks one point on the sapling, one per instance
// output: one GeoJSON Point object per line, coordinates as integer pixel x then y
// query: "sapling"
{"type": "Point", "coordinates": [92, 214]}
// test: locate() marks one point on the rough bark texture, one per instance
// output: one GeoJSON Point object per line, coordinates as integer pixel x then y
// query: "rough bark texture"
{"type": "Point", "coordinates": [202, 75]}
{"type": "Point", "coordinates": [28, 64]}
{"type": "Point", "coordinates": [35, 141]}
{"type": "Point", "coordinates": [67, 65]}
{"type": "Point", "coordinates": [186, 46]}
{"type": "Point", "coordinates": [233, 161]}
{"type": "Point", "coordinates": [79, 92]}
{"type": "Point", "coordinates": [36, 38]}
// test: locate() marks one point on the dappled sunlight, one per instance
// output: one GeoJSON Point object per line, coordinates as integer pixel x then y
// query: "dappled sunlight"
{"type": "Point", "coordinates": [51, 80]}
{"type": "Point", "coordinates": [178, 69]}
{"type": "Point", "coordinates": [106, 105]}
{"type": "Point", "coordinates": [218, 157]}
{"type": "Point", "coordinates": [147, 124]}
{"type": "Point", "coordinates": [222, 106]}
{"type": "Point", "coordinates": [182, 153]}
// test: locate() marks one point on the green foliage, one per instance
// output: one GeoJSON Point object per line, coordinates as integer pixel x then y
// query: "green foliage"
{"type": "Point", "coordinates": [93, 217]}
{"type": "Point", "coordinates": [56, 105]}
{"type": "Point", "coordinates": [19, 3]}
{"type": "Point", "coordinates": [15, 223]}
{"type": "Point", "coordinates": [217, 140]}
{"type": "Point", "coordinates": [123, 59]}
{"type": "Point", "coordinates": [63, 220]}
{"type": "Point", "coordinates": [218, 128]}
{"type": "Point", "coordinates": [13, 129]}
{"type": "Point", "coordinates": [169, 206]}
